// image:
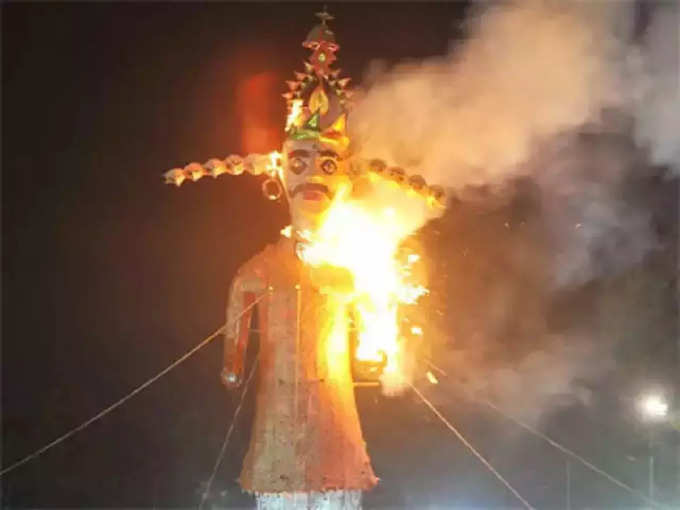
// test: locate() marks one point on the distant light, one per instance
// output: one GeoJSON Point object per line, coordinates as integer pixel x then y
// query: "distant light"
{"type": "Point", "coordinates": [431, 377]}
{"type": "Point", "coordinates": [417, 330]}
{"type": "Point", "coordinates": [654, 407]}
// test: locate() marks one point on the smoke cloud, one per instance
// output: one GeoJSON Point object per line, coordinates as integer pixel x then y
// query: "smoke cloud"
{"type": "Point", "coordinates": [656, 109]}
{"type": "Point", "coordinates": [578, 103]}
{"type": "Point", "coordinates": [507, 102]}
{"type": "Point", "coordinates": [527, 72]}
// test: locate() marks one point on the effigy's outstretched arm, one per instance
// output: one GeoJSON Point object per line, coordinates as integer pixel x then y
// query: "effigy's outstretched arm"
{"type": "Point", "coordinates": [247, 285]}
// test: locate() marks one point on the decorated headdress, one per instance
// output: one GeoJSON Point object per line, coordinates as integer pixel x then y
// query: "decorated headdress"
{"type": "Point", "coordinates": [318, 98]}
{"type": "Point", "coordinates": [318, 101]}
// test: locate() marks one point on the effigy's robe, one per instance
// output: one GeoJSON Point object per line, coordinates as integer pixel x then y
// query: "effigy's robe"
{"type": "Point", "coordinates": [306, 435]}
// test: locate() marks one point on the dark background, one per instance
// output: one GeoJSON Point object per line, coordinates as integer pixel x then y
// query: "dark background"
{"type": "Point", "coordinates": [109, 275]}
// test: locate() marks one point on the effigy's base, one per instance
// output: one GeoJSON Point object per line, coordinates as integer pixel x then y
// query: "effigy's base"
{"type": "Point", "coordinates": [328, 500]}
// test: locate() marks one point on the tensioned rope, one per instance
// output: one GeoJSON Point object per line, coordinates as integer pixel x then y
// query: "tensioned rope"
{"type": "Point", "coordinates": [557, 445]}
{"type": "Point", "coordinates": [467, 444]}
{"type": "Point", "coordinates": [227, 437]}
{"type": "Point", "coordinates": [127, 397]}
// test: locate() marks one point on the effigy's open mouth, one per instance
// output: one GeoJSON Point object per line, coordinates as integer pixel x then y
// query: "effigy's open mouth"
{"type": "Point", "coordinates": [312, 191]}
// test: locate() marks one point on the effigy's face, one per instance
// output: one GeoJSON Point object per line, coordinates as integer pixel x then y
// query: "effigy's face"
{"type": "Point", "coordinates": [313, 172]}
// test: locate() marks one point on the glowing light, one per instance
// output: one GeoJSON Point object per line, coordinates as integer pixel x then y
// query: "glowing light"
{"type": "Point", "coordinates": [417, 330]}
{"type": "Point", "coordinates": [305, 234]}
{"type": "Point", "coordinates": [287, 231]}
{"type": "Point", "coordinates": [274, 164]}
{"type": "Point", "coordinates": [410, 294]}
{"type": "Point", "coordinates": [295, 113]}
{"type": "Point", "coordinates": [430, 377]}
{"type": "Point", "coordinates": [654, 407]}
{"type": "Point", "coordinates": [365, 242]}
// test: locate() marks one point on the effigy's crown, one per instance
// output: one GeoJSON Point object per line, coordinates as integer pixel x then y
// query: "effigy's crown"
{"type": "Point", "coordinates": [318, 98]}
{"type": "Point", "coordinates": [321, 33]}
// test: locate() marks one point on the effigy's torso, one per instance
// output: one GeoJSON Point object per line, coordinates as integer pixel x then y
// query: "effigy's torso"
{"type": "Point", "coordinates": [307, 434]}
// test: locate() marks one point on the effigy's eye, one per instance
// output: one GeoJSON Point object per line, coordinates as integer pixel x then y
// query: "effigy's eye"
{"type": "Point", "coordinates": [297, 165]}
{"type": "Point", "coordinates": [329, 166]}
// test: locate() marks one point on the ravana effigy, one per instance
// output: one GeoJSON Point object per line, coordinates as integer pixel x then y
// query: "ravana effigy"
{"type": "Point", "coordinates": [322, 319]}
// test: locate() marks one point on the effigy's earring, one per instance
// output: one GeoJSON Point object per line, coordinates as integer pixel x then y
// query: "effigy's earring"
{"type": "Point", "coordinates": [272, 189]}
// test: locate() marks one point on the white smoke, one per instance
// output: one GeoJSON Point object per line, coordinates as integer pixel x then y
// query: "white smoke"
{"type": "Point", "coordinates": [528, 76]}
{"type": "Point", "coordinates": [527, 72]}
{"type": "Point", "coordinates": [657, 109]}
{"type": "Point", "coordinates": [572, 95]}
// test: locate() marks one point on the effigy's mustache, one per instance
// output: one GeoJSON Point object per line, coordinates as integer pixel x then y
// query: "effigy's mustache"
{"type": "Point", "coordinates": [311, 186]}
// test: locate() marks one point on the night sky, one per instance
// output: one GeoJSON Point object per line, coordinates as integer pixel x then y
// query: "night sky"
{"type": "Point", "coordinates": [109, 275]}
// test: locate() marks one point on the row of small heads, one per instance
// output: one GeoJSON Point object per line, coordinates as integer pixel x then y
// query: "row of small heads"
{"type": "Point", "coordinates": [262, 164]}
{"type": "Point", "coordinates": [434, 194]}
{"type": "Point", "coordinates": [255, 164]}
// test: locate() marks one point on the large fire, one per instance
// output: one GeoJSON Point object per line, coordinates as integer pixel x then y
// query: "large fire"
{"type": "Point", "coordinates": [364, 239]}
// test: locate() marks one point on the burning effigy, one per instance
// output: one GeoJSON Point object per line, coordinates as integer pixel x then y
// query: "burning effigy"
{"type": "Point", "coordinates": [329, 293]}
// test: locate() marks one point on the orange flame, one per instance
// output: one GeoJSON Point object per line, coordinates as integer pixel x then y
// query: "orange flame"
{"type": "Point", "coordinates": [365, 242]}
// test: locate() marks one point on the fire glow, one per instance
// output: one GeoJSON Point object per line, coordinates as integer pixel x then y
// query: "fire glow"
{"type": "Point", "coordinates": [295, 114]}
{"type": "Point", "coordinates": [365, 242]}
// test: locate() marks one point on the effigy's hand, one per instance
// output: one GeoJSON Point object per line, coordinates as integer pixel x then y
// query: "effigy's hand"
{"type": "Point", "coordinates": [231, 380]}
